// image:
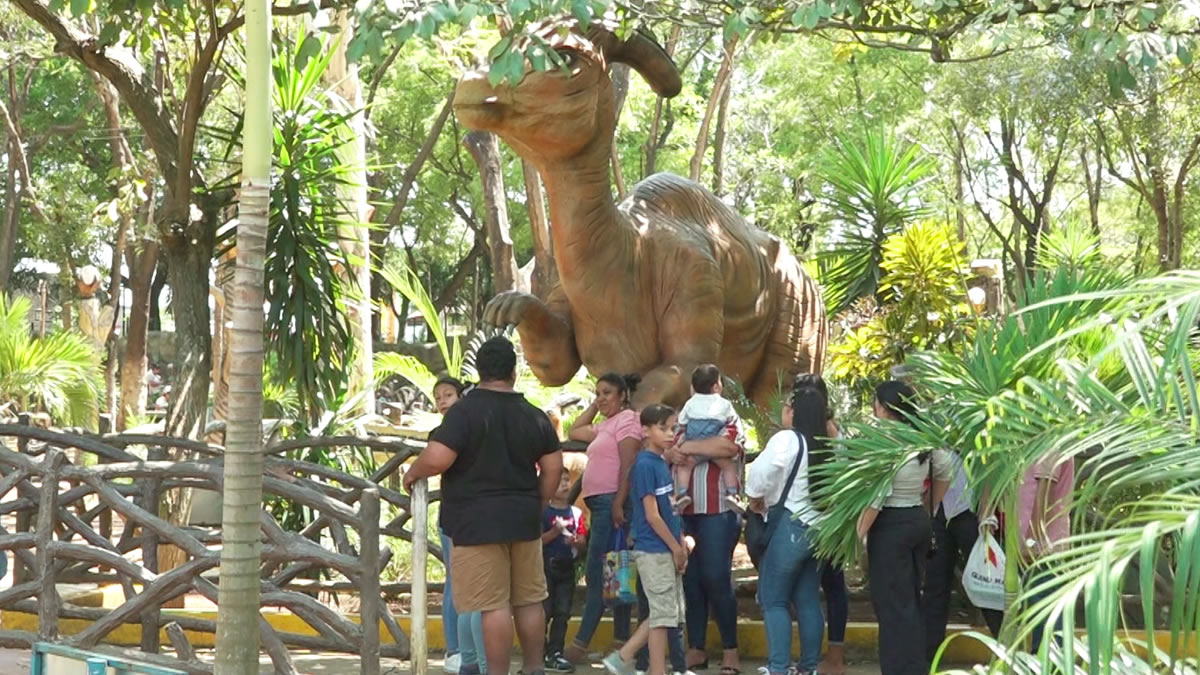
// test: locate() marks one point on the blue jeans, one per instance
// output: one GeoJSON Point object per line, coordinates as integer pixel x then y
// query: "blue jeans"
{"type": "Point", "coordinates": [593, 573]}
{"type": "Point", "coordinates": [790, 577]}
{"type": "Point", "coordinates": [470, 641]}
{"type": "Point", "coordinates": [1036, 576]}
{"type": "Point", "coordinates": [708, 581]}
{"type": "Point", "coordinates": [449, 614]}
{"type": "Point", "coordinates": [837, 601]}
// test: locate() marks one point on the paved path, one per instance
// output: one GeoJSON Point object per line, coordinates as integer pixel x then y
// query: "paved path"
{"type": "Point", "coordinates": [16, 662]}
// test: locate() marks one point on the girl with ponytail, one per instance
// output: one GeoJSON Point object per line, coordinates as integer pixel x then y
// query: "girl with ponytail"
{"type": "Point", "coordinates": [898, 530]}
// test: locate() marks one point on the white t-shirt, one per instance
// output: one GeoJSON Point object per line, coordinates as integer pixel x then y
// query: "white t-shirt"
{"type": "Point", "coordinates": [766, 476]}
{"type": "Point", "coordinates": [707, 407]}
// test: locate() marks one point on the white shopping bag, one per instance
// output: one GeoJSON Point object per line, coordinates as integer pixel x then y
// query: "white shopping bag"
{"type": "Point", "coordinates": [983, 578]}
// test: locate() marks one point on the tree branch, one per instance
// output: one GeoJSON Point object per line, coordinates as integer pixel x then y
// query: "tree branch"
{"type": "Point", "coordinates": [119, 67]}
{"type": "Point", "coordinates": [414, 168]}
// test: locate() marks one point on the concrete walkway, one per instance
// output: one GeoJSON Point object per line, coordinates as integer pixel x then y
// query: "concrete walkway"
{"type": "Point", "coordinates": [16, 662]}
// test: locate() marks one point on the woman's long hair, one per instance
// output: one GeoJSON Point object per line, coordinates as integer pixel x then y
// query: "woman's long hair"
{"type": "Point", "coordinates": [810, 414]}
{"type": "Point", "coordinates": [900, 400]}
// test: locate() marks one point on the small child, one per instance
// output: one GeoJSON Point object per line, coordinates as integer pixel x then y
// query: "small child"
{"type": "Point", "coordinates": [707, 414]}
{"type": "Point", "coordinates": [659, 549]}
{"type": "Point", "coordinates": [562, 539]}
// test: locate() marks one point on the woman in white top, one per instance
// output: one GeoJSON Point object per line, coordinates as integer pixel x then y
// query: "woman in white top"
{"type": "Point", "coordinates": [898, 530]}
{"type": "Point", "coordinates": [790, 573]}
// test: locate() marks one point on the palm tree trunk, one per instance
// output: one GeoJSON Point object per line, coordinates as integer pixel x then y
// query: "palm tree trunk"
{"type": "Point", "coordinates": [354, 236]}
{"type": "Point", "coordinates": [241, 553]}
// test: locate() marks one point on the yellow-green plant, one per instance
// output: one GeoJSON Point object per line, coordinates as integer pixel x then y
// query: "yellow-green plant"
{"type": "Point", "coordinates": [924, 305]}
{"type": "Point", "coordinates": [60, 373]}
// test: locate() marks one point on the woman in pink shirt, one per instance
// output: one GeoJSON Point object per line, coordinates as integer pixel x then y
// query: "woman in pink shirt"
{"type": "Point", "coordinates": [612, 446]}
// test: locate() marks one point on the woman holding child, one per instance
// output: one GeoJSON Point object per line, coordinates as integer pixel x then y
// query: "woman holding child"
{"type": "Point", "coordinates": [790, 573]}
{"type": "Point", "coordinates": [710, 516]}
{"type": "Point", "coordinates": [613, 444]}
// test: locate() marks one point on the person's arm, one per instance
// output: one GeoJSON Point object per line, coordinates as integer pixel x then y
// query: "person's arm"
{"type": "Point", "coordinates": [937, 493]}
{"type": "Point", "coordinates": [714, 447]}
{"type": "Point", "coordinates": [583, 429]}
{"type": "Point", "coordinates": [550, 467]}
{"type": "Point", "coordinates": [433, 461]}
{"type": "Point", "coordinates": [866, 520]}
{"type": "Point", "coordinates": [770, 469]}
{"type": "Point", "coordinates": [627, 449]}
{"type": "Point", "coordinates": [943, 472]}
{"type": "Point", "coordinates": [553, 533]}
{"type": "Point", "coordinates": [655, 519]}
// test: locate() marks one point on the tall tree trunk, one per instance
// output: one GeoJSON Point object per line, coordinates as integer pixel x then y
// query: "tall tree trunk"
{"type": "Point", "coordinates": [223, 293]}
{"type": "Point", "coordinates": [355, 238]}
{"type": "Point", "coordinates": [133, 365]}
{"type": "Point", "coordinates": [241, 552]}
{"type": "Point", "coordinates": [1092, 185]}
{"type": "Point", "coordinates": [656, 138]}
{"type": "Point", "coordinates": [545, 274]}
{"type": "Point", "coordinates": [719, 141]}
{"type": "Point", "coordinates": [485, 150]}
{"type": "Point", "coordinates": [722, 80]}
{"type": "Point", "coordinates": [156, 289]}
{"type": "Point", "coordinates": [188, 266]}
{"type": "Point", "coordinates": [960, 207]}
{"type": "Point", "coordinates": [9, 226]}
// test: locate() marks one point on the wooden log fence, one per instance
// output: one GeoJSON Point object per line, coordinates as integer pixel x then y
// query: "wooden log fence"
{"type": "Point", "coordinates": [96, 520]}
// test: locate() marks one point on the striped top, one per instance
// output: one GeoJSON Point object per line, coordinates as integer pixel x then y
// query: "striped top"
{"type": "Point", "coordinates": [707, 488]}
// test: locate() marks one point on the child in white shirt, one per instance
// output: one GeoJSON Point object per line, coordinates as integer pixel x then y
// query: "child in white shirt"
{"type": "Point", "coordinates": [706, 414]}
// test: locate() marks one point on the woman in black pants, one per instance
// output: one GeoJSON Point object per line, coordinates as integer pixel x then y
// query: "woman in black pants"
{"type": "Point", "coordinates": [897, 531]}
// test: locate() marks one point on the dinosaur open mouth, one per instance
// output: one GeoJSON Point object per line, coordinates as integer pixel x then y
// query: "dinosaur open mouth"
{"type": "Point", "coordinates": [479, 115]}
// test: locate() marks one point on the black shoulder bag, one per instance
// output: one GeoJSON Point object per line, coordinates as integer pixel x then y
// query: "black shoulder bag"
{"type": "Point", "coordinates": [759, 530]}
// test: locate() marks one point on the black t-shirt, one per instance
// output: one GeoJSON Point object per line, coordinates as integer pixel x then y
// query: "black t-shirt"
{"type": "Point", "coordinates": [491, 494]}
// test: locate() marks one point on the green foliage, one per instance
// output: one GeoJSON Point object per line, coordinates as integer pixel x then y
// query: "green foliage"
{"type": "Point", "coordinates": [1133, 431]}
{"type": "Point", "coordinates": [1131, 37]}
{"type": "Point", "coordinates": [406, 282]}
{"type": "Point", "coordinates": [926, 307]}
{"type": "Point", "coordinates": [60, 374]}
{"type": "Point", "coordinates": [307, 329]}
{"type": "Point", "coordinates": [875, 185]}
{"type": "Point", "coordinates": [1072, 246]}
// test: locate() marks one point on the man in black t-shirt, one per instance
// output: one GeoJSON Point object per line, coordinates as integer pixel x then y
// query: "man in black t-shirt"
{"type": "Point", "coordinates": [489, 448]}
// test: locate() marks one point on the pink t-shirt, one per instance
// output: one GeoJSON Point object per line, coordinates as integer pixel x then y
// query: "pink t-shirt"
{"type": "Point", "coordinates": [604, 458]}
{"type": "Point", "coordinates": [1058, 502]}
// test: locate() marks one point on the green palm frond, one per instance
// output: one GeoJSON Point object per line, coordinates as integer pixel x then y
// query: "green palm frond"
{"type": "Point", "coordinates": [60, 373]}
{"type": "Point", "coordinates": [406, 282]}
{"type": "Point", "coordinates": [875, 183]}
{"type": "Point", "coordinates": [1094, 370]}
{"type": "Point", "coordinates": [390, 364]}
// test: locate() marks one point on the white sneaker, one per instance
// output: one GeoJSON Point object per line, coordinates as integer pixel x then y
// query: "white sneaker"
{"type": "Point", "coordinates": [452, 664]}
{"type": "Point", "coordinates": [615, 665]}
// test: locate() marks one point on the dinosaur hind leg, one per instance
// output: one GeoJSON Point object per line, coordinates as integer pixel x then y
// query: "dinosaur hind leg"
{"type": "Point", "coordinates": [797, 341]}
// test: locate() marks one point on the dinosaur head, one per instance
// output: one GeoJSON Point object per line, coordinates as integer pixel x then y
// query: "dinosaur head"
{"type": "Point", "coordinates": [560, 113]}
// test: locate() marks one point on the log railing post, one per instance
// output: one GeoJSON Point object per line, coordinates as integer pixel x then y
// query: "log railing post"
{"type": "Point", "coordinates": [369, 592]}
{"type": "Point", "coordinates": [420, 557]}
{"type": "Point", "coordinates": [46, 520]}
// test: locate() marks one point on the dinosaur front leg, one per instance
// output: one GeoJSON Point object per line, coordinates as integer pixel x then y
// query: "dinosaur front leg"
{"type": "Point", "coordinates": [547, 336]}
{"type": "Point", "coordinates": [689, 335]}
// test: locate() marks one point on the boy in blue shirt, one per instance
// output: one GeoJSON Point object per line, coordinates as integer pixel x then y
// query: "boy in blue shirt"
{"type": "Point", "coordinates": [659, 548]}
{"type": "Point", "coordinates": [562, 538]}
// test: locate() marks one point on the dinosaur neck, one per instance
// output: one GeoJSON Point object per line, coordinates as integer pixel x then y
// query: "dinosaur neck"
{"type": "Point", "coordinates": [587, 229]}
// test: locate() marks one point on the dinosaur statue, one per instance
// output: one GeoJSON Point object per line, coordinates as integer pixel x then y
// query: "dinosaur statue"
{"type": "Point", "coordinates": [668, 279]}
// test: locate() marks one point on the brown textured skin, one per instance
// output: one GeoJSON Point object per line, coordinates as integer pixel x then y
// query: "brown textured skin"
{"type": "Point", "coordinates": [670, 278]}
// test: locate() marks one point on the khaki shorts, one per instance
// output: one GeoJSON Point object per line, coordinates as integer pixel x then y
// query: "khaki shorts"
{"type": "Point", "coordinates": [496, 576]}
{"type": "Point", "coordinates": [663, 587]}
